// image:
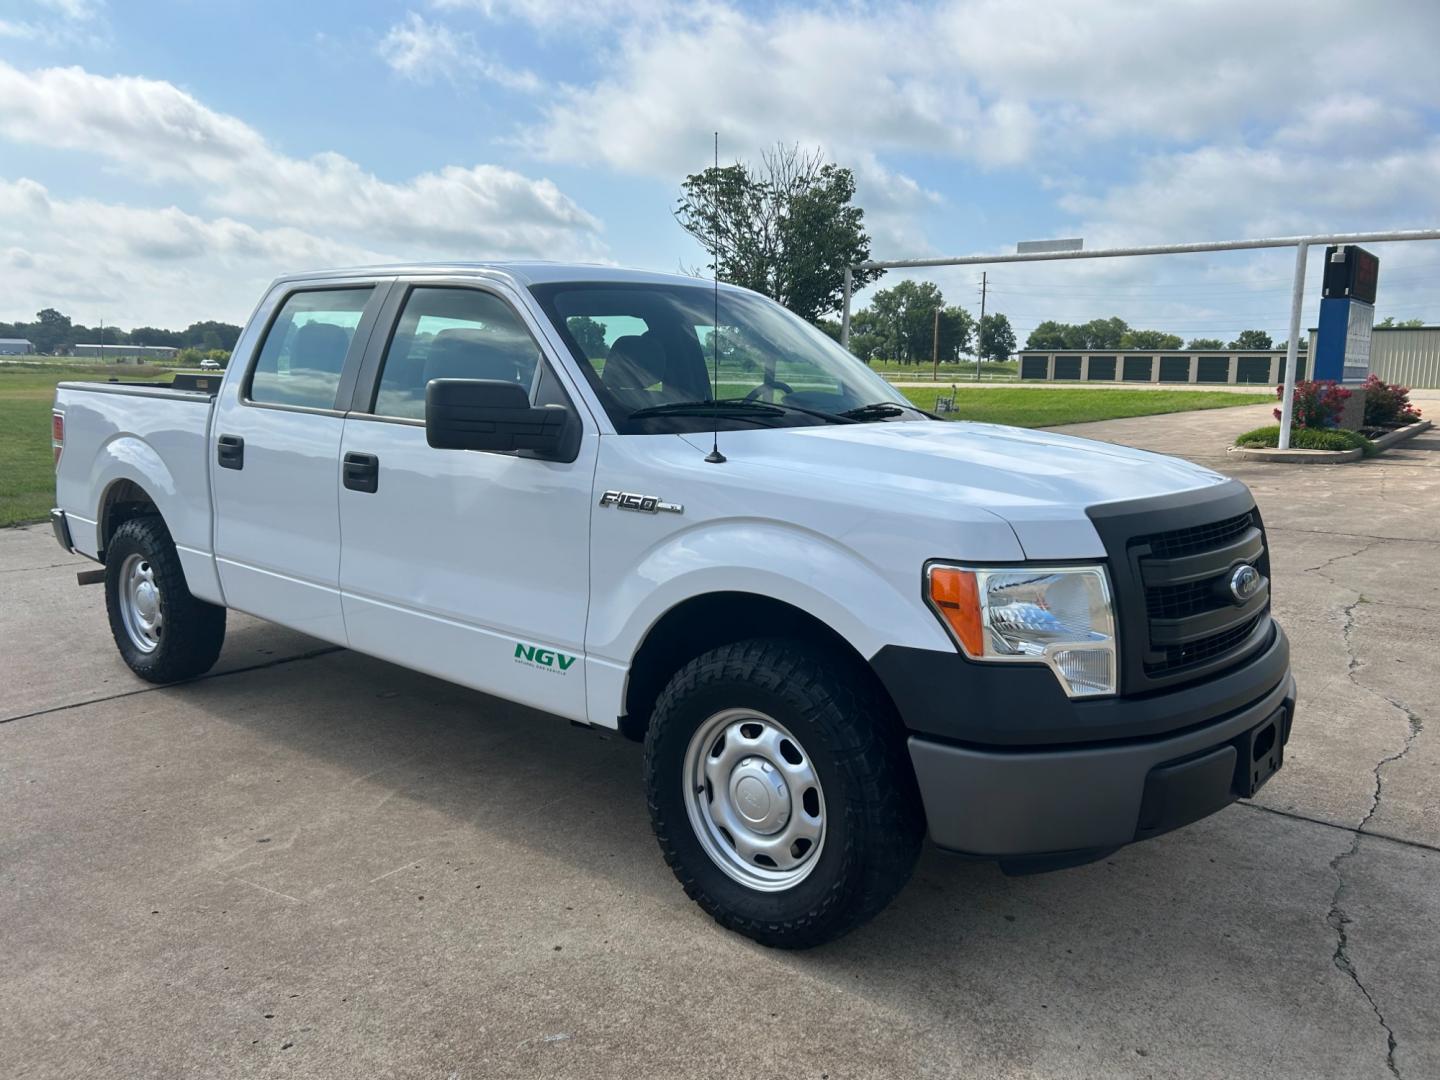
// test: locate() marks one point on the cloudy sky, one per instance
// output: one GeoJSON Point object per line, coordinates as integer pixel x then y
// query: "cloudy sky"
{"type": "Point", "coordinates": [160, 160]}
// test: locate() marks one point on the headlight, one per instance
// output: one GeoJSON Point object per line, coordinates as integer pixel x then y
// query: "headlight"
{"type": "Point", "coordinates": [1060, 616]}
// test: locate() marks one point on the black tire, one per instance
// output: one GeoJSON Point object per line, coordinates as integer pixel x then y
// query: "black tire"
{"type": "Point", "coordinates": [189, 641]}
{"type": "Point", "coordinates": [874, 823]}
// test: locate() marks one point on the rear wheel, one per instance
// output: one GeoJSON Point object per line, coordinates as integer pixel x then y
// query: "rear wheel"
{"type": "Point", "coordinates": [163, 633]}
{"type": "Point", "coordinates": [780, 792]}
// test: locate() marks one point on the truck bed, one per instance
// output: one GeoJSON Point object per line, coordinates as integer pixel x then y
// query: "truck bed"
{"type": "Point", "coordinates": [152, 436]}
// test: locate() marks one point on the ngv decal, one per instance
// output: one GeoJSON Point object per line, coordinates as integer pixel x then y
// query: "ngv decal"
{"type": "Point", "coordinates": [533, 656]}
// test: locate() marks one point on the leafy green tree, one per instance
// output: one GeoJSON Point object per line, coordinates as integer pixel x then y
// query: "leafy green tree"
{"type": "Point", "coordinates": [1252, 340]}
{"type": "Point", "coordinates": [903, 317]}
{"type": "Point", "coordinates": [226, 334]}
{"type": "Point", "coordinates": [830, 327]}
{"type": "Point", "coordinates": [997, 338]}
{"type": "Point", "coordinates": [1389, 323]}
{"type": "Point", "coordinates": [588, 334]}
{"type": "Point", "coordinates": [153, 335]}
{"type": "Point", "coordinates": [48, 330]}
{"type": "Point", "coordinates": [1205, 343]}
{"type": "Point", "coordinates": [957, 329]}
{"type": "Point", "coordinates": [786, 228]}
{"type": "Point", "coordinates": [1149, 339]}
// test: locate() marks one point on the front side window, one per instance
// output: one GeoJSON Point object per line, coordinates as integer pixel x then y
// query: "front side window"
{"type": "Point", "coordinates": [305, 349]}
{"type": "Point", "coordinates": [449, 333]}
{"type": "Point", "coordinates": [660, 361]}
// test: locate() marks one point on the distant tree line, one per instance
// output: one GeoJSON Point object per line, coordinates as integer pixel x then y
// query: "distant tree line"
{"type": "Point", "coordinates": [1115, 333]}
{"type": "Point", "coordinates": [899, 324]}
{"type": "Point", "coordinates": [53, 332]}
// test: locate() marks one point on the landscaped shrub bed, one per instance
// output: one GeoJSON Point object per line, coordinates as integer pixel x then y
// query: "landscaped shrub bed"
{"type": "Point", "coordinates": [1307, 439]}
{"type": "Point", "coordinates": [1387, 405]}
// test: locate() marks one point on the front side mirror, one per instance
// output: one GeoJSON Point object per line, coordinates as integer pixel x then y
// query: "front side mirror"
{"type": "Point", "coordinates": [490, 414]}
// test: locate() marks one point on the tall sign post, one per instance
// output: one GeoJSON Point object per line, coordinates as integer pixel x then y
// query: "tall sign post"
{"type": "Point", "coordinates": [1347, 314]}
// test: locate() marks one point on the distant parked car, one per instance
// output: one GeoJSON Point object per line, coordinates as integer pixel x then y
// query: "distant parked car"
{"type": "Point", "coordinates": [210, 365]}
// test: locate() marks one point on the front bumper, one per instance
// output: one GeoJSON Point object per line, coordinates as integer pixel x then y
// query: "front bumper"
{"type": "Point", "coordinates": [1043, 806]}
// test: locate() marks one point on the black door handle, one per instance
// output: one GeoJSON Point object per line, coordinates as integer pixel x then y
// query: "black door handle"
{"type": "Point", "coordinates": [362, 472]}
{"type": "Point", "coordinates": [230, 452]}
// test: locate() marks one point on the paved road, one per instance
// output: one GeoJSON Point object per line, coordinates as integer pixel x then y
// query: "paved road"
{"type": "Point", "coordinates": [316, 864]}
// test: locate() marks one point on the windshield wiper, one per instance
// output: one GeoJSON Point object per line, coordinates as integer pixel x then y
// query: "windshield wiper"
{"type": "Point", "coordinates": [883, 408]}
{"type": "Point", "coordinates": [734, 407]}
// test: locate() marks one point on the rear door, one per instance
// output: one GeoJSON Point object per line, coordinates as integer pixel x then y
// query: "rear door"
{"type": "Point", "coordinates": [471, 566]}
{"type": "Point", "coordinates": [275, 453]}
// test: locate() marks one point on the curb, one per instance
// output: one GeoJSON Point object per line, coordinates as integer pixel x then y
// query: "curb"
{"type": "Point", "coordinates": [1327, 457]}
{"type": "Point", "coordinates": [1400, 435]}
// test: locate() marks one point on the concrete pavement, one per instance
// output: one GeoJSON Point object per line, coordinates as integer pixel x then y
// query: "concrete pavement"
{"type": "Point", "coordinates": [315, 864]}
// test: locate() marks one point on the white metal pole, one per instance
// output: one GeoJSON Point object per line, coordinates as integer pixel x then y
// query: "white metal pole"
{"type": "Point", "coordinates": [845, 311]}
{"type": "Point", "coordinates": [1292, 349]}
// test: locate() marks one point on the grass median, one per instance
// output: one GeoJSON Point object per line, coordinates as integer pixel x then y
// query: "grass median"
{"type": "Point", "coordinates": [1052, 407]}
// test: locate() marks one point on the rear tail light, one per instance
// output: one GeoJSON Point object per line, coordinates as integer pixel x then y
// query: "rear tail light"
{"type": "Point", "coordinates": [57, 434]}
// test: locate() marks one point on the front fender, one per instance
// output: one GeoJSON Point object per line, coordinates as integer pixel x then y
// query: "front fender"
{"type": "Point", "coordinates": [804, 569]}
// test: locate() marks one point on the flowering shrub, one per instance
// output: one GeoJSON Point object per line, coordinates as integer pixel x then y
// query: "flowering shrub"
{"type": "Point", "coordinates": [1388, 404]}
{"type": "Point", "coordinates": [1318, 403]}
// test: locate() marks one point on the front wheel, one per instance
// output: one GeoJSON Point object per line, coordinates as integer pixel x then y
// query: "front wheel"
{"type": "Point", "coordinates": [163, 633]}
{"type": "Point", "coordinates": [780, 792]}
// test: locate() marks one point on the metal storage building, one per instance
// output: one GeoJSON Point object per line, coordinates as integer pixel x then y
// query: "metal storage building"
{"type": "Point", "coordinates": [15, 346]}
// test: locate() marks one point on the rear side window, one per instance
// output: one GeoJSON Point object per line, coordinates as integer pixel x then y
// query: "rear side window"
{"type": "Point", "coordinates": [304, 352]}
{"type": "Point", "coordinates": [447, 333]}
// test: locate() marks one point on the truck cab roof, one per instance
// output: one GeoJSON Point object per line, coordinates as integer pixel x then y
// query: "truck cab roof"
{"type": "Point", "coordinates": [521, 273]}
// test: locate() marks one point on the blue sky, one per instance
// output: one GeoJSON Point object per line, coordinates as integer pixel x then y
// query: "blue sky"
{"type": "Point", "coordinates": [160, 161]}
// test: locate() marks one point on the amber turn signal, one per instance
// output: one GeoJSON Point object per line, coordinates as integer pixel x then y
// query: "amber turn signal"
{"type": "Point", "coordinates": [956, 597]}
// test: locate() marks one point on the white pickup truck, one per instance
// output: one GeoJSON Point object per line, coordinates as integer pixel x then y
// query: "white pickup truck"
{"type": "Point", "coordinates": [646, 504]}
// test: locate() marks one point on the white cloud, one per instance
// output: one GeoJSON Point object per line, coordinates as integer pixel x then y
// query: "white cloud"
{"type": "Point", "coordinates": [426, 51]}
{"type": "Point", "coordinates": [997, 82]}
{"type": "Point", "coordinates": [134, 266]}
{"type": "Point", "coordinates": [56, 22]}
{"type": "Point", "coordinates": [160, 132]}
{"type": "Point", "coordinates": [569, 13]}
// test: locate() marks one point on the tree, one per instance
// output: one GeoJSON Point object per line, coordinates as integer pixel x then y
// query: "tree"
{"type": "Point", "coordinates": [957, 327]}
{"type": "Point", "coordinates": [153, 335]}
{"type": "Point", "coordinates": [226, 334]}
{"type": "Point", "coordinates": [903, 319]}
{"type": "Point", "coordinates": [1205, 343]}
{"type": "Point", "coordinates": [1255, 340]}
{"type": "Point", "coordinates": [48, 330]}
{"type": "Point", "coordinates": [588, 334]}
{"type": "Point", "coordinates": [997, 339]}
{"type": "Point", "coordinates": [785, 228]}
{"type": "Point", "coordinates": [1149, 339]}
{"type": "Point", "coordinates": [1389, 323]}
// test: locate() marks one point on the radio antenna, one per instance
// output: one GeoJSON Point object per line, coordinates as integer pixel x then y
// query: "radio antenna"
{"type": "Point", "coordinates": [715, 457]}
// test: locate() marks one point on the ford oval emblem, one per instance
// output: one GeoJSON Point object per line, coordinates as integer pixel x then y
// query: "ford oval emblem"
{"type": "Point", "coordinates": [1245, 582]}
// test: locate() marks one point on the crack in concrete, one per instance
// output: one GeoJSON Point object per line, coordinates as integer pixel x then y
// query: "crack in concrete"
{"type": "Point", "coordinates": [1361, 550]}
{"type": "Point", "coordinates": [1337, 918]}
{"type": "Point", "coordinates": [312, 654]}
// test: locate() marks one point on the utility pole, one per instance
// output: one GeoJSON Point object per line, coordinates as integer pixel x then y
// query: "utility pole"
{"type": "Point", "coordinates": [980, 329]}
{"type": "Point", "coordinates": [935, 348]}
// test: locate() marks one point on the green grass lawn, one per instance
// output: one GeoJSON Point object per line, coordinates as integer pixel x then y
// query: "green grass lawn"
{"type": "Point", "coordinates": [1051, 407]}
{"type": "Point", "coordinates": [27, 463]}
{"type": "Point", "coordinates": [961, 372]}
{"type": "Point", "coordinates": [27, 472]}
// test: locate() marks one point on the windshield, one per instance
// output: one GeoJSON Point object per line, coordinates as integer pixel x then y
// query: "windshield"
{"type": "Point", "coordinates": [650, 352]}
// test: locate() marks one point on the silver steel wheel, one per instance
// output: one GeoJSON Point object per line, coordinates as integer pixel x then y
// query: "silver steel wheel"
{"type": "Point", "coordinates": [141, 608]}
{"type": "Point", "coordinates": [754, 800]}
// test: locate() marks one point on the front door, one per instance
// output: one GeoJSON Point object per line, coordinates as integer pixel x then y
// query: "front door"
{"type": "Point", "coordinates": [275, 453]}
{"type": "Point", "coordinates": [470, 566]}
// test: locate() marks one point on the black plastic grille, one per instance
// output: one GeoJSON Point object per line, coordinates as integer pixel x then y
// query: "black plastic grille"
{"type": "Point", "coordinates": [1178, 601]}
{"type": "Point", "coordinates": [1197, 652]}
{"type": "Point", "coordinates": [1192, 541]}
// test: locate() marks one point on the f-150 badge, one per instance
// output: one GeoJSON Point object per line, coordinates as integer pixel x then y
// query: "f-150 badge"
{"type": "Point", "coordinates": [641, 504]}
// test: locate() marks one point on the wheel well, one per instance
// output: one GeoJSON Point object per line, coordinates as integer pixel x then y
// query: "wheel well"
{"type": "Point", "coordinates": [124, 500]}
{"type": "Point", "coordinates": [706, 622]}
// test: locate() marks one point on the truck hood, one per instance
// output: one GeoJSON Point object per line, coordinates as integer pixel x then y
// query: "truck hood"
{"type": "Point", "coordinates": [1039, 482]}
